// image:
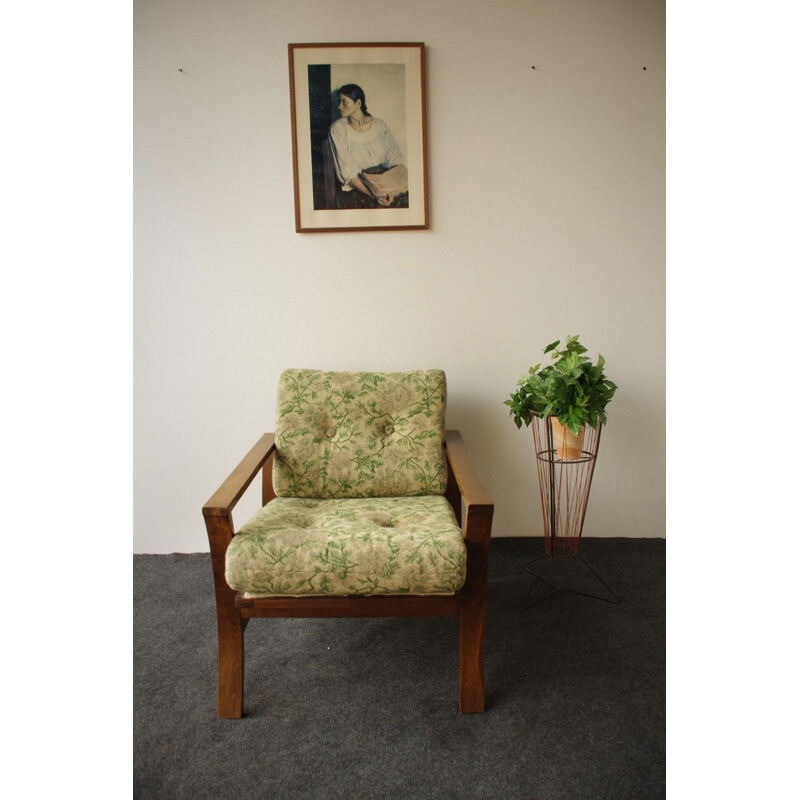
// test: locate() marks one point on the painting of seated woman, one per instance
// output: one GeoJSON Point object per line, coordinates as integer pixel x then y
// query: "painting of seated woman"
{"type": "Point", "coordinates": [368, 163]}
{"type": "Point", "coordinates": [358, 136]}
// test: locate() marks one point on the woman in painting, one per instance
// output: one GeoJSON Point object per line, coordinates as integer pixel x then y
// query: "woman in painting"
{"type": "Point", "coordinates": [365, 154]}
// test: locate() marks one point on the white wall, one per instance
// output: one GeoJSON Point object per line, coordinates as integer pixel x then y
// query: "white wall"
{"type": "Point", "coordinates": [547, 219]}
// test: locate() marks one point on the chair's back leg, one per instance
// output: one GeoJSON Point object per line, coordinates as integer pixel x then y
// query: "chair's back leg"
{"type": "Point", "coordinates": [452, 493]}
{"type": "Point", "coordinates": [267, 492]}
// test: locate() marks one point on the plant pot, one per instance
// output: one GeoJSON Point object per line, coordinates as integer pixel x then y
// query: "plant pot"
{"type": "Point", "coordinates": [569, 447]}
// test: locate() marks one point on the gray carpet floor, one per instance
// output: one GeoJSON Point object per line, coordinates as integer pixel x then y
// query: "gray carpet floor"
{"type": "Point", "coordinates": [368, 708]}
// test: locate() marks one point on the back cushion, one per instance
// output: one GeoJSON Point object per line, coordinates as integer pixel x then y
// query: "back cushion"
{"type": "Point", "coordinates": [360, 434]}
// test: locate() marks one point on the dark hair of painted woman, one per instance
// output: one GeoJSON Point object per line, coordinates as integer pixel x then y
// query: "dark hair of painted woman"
{"type": "Point", "coordinates": [354, 92]}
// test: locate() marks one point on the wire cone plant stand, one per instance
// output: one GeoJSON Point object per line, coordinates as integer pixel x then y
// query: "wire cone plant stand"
{"type": "Point", "coordinates": [565, 466]}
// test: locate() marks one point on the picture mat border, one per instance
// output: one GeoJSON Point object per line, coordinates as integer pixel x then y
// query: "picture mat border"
{"type": "Point", "coordinates": [308, 219]}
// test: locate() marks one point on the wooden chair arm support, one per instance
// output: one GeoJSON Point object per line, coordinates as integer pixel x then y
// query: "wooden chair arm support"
{"type": "Point", "coordinates": [478, 504]}
{"type": "Point", "coordinates": [226, 497]}
{"type": "Point", "coordinates": [470, 485]}
{"type": "Point", "coordinates": [464, 480]}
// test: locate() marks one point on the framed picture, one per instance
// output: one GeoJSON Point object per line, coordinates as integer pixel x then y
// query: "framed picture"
{"type": "Point", "coordinates": [358, 136]}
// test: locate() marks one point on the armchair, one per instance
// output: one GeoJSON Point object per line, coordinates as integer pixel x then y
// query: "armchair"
{"type": "Point", "coordinates": [362, 492]}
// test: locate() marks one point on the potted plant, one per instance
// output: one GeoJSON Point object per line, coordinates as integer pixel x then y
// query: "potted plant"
{"type": "Point", "coordinates": [573, 392]}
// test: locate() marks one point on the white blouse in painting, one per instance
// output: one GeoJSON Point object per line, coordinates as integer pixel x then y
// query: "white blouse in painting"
{"type": "Point", "coordinates": [354, 151]}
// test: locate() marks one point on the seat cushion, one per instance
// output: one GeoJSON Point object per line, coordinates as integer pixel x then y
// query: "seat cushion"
{"type": "Point", "coordinates": [360, 434]}
{"type": "Point", "coordinates": [362, 546]}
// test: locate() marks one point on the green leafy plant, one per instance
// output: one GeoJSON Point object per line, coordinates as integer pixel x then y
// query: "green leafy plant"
{"type": "Point", "coordinates": [573, 389]}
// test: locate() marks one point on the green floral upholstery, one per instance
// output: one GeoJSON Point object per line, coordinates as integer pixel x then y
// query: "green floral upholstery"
{"type": "Point", "coordinates": [360, 434]}
{"type": "Point", "coordinates": [359, 474]}
{"type": "Point", "coordinates": [389, 545]}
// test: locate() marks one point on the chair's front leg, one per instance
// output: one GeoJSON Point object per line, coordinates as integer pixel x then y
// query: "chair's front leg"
{"type": "Point", "coordinates": [230, 625]}
{"type": "Point", "coordinates": [231, 666]}
{"type": "Point", "coordinates": [471, 671]}
{"type": "Point", "coordinates": [219, 524]}
{"type": "Point", "coordinates": [473, 614]}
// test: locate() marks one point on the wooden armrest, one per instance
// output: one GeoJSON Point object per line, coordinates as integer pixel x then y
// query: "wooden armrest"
{"type": "Point", "coordinates": [226, 497]}
{"type": "Point", "coordinates": [477, 526]}
{"type": "Point", "coordinates": [470, 485]}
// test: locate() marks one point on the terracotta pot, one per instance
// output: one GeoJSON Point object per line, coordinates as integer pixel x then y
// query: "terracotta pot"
{"type": "Point", "coordinates": [568, 445]}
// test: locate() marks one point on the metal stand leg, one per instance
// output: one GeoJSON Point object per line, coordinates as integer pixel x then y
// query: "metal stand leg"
{"type": "Point", "coordinates": [540, 576]}
{"type": "Point", "coordinates": [564, 482]}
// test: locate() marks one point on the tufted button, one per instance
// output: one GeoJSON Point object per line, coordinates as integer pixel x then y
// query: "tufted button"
{"type": "Point", "coordinates": [331, 433]}
{"type": "Point", "coordinates": [389, 430]}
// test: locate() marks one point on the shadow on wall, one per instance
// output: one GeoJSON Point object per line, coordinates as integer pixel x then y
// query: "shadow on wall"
{"type": "Point", "coordinates": [478, 424]}
{"type": "Point", "coordinates": [473, 419]}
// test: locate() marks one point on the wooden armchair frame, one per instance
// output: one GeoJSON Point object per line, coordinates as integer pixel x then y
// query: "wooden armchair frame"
{"type": "Point", "coordinates": [234, 610]}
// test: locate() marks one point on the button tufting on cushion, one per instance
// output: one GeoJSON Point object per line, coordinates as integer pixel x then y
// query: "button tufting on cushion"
{"type": "Point", "coordinates": [359, 456]}
{"type": "Point", "coordinates": [396, 545]}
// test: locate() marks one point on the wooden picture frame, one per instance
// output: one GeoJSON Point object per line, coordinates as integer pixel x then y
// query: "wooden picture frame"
{"type": "Point", "coordinates": [336, 188]}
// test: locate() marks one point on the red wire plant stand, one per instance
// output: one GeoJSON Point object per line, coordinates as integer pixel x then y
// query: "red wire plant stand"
{"type": "Point", "coordinates": [564, 484]}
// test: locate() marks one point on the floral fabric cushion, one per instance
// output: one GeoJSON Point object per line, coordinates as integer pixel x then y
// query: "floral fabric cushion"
{"type": "Point", "coordinates": [360, 434]}
{"type": "Point", "coordinates": [364, 546]}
